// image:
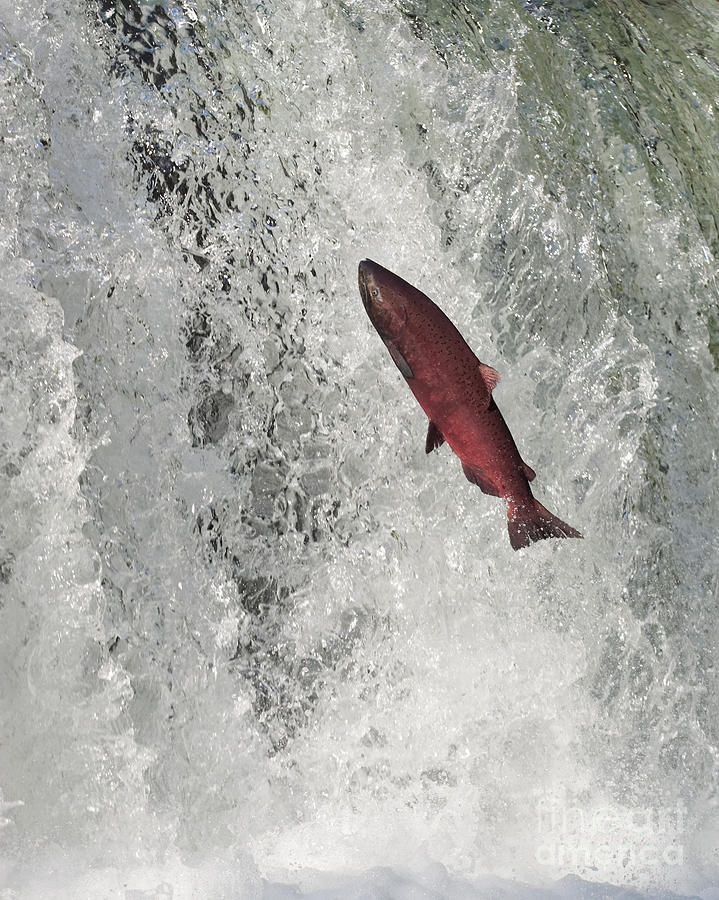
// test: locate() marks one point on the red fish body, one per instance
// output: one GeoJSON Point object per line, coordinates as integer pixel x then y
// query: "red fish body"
{"type": "Point", "coordinates": [455, 390]}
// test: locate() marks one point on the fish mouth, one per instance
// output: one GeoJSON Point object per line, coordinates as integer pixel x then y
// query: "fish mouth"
{"type": "Point", "coordinates": [369, 292]}
{"type": "Point", "coordinates": [387, 312]}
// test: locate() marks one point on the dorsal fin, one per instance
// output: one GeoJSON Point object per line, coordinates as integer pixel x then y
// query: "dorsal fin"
{"type": "Point", "coordinates": [490, 376]}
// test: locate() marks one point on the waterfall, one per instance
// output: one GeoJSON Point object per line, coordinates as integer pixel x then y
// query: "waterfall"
{"type": "Point", "coordinates": [253, 641]}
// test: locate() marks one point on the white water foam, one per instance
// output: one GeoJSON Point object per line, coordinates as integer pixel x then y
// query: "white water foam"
{"type": "Point", "coordinates": [254, 643]}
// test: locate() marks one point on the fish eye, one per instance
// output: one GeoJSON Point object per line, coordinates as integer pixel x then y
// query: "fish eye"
{"type": "Point", "coordinates": [374, 293]}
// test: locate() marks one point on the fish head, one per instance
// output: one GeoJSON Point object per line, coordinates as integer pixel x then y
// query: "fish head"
{"type": "Point", "coordinates": [384, 297]}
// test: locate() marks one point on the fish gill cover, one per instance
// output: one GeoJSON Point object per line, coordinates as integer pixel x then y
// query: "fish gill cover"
{"type": "Point", "coordinates": [250, 635]}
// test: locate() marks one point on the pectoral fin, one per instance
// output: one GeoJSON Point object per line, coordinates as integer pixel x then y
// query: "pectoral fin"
{"type": "Point", "coordinates": [398, 359]}
{"type": "Point", "coordinates": [434, 438]}
{"type": "Point", "coordinates": [476, 476]}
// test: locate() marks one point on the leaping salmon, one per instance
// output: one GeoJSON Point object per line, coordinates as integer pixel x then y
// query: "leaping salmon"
{"type": "Point", "coordinates": [455, 390]}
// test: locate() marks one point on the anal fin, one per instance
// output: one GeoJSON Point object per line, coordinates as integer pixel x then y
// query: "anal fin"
{"type": "Point", "coordinates": [476, 476]}
{"type": "Point", "coordinates": [529, 471]}
{"type": "Point", "coordinates": [435, 438]}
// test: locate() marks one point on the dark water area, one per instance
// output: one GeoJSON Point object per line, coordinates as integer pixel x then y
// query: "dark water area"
{"type": "Point", "coordinates": [251, 635]}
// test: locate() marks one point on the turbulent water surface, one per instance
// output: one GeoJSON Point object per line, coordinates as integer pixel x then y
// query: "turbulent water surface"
{"type": "Point", "coordinates": [251, 636]}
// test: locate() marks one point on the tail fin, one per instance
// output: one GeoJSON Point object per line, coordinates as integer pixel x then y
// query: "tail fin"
{"type": "Point", "coordinates": [532, 522]}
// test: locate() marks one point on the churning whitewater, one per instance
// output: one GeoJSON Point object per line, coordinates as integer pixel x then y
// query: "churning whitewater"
{"type": "Point", "coordinates": [254, 642]}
